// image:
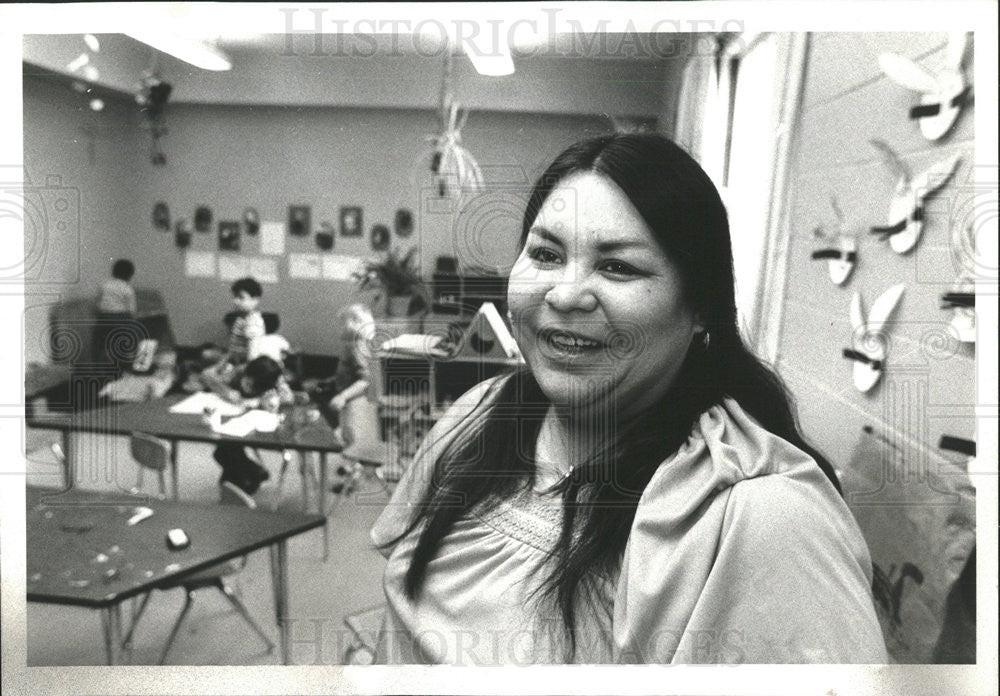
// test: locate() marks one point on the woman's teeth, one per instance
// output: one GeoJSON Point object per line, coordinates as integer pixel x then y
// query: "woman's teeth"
{"type": "Point", "coordinates": [566, 342]}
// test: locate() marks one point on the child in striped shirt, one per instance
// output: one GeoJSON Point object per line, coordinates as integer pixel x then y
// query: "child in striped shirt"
{"type": "Point", "coordinates": [249, 325]}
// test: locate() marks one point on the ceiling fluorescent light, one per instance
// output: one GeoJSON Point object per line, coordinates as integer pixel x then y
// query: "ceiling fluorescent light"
{"type": "Point", "coordinates": [198, 53]}
{"type": "Point", "coordinates": [495, 61]}
{"type": "Point", "coordinates": [491, 65]}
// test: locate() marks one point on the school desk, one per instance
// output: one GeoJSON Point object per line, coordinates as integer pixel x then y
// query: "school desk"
{"type": "Point", "coordinates": [154, 418]}
{"type": "Point", "coordinates": [81, 551]}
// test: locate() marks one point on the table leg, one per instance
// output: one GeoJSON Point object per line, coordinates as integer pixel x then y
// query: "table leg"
{"type": "Point", "coordinates": [111, 621]}
{"type": "Point", "coordinates": [279, 583]}
{"type": "Point", "coordinates": [69, 466]}
{"type": "Point", "coordinates": [174, 445]}
{"type": "Point", "coordinates": [304, 480]}
{"type": "Point", "coordinates": [322, 506]}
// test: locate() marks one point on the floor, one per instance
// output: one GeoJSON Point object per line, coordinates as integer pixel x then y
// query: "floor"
{"type": "Point", "coordinates": [321, 594]}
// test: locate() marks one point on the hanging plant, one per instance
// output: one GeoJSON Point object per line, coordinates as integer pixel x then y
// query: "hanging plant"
{"type": "Point", "coordinates": [455, 171]}
{"type": "Point", "coordinates": [152, 100]}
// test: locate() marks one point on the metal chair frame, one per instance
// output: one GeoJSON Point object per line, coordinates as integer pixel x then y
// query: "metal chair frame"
{"type": "Point", "coordinates": [210, 577]}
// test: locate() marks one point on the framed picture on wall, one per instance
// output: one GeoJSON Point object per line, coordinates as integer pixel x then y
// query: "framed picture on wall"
{"type": "Point", "coordinates": [161, 216]}
{"type": "Point", "coordinates": [251, 221]}
{"type": "Point", "coordinates": [229, 235]}
{"type": "Point", "coordinates": [298, 221]}
{"type": "Point", "coordinates": [403, 222]}
{"type": "Point", "coordinates": [325, 236]}
{"type": "Point", "coordinates": [380, 237]}
{"type": "Point", "coordinates": [351, 222]}
{"type": "Point", "coordinates": [203, 219]}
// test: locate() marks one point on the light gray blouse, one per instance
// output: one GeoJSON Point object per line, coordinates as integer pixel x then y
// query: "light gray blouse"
{"type": "Point", "coordinates": [741, 551]}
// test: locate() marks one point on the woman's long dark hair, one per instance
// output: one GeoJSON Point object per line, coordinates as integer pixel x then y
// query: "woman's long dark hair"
{"type": "Point", "coordinates": [682, 208]}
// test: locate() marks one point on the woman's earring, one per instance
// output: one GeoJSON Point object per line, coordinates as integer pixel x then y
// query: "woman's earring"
{"type": "Point", "coordinates": [706, 339]}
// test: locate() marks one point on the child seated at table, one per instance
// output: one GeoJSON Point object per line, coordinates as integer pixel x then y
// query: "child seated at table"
{"type": "Point", "coordinates": [248, 326]}
{"type": "Point", "coordinates": [258, 384]}
{"type": "Point", "coordinates": [272, 344]}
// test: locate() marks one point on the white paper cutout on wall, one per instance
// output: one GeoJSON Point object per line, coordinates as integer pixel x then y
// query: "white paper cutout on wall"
{"type": "Point", "coordinates": [232, 267]}
{"type": "Point", "coordinates": [263, 269]}
{"type": "Point", "coordinates": [199, 264]}
{"type": "Point", "coordinates": [906, 210]}
{"type": "Point", "coordinates": [868, 340]}
{"type": "Point", "coordinates": [272, 238]}
{"type": "Point", "coordinates": [942, 96]}
{"type": "Point", "coordinates": [305, 266]}
{"type": "Point", "coordinates": [840, 250]}
{"type": "Point", "coordinates": [338, 267]}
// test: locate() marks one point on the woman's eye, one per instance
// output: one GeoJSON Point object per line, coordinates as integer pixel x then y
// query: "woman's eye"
{"type": "Point", "coordinates": [543, 255]}
{"type": "Point", "coordinates": [619, 268]}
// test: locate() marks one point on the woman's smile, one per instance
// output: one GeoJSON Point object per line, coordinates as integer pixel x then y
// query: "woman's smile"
{"type": "Point", "coordinates": [563, 345]}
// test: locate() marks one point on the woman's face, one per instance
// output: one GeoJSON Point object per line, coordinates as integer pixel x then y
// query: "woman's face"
{"type": "Point", "coordinates": [597, 306]}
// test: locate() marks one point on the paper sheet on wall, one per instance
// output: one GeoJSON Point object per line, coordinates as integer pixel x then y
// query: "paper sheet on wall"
{"type": "Point", "coordinates": [233, 267]}
{"type": "Point", "coordinates": [263, 269]}
{"type": "Point", "coordinates": [304, 266]}
{"type": "Point", "coordinates": [199, 264]}
{"type": "Point", "coordinates": [337, 267]}
{"type": "Point", "coordinates": [272, 238]}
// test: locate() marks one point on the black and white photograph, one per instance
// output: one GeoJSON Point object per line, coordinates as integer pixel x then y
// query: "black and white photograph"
{"type": "Point", "coordinates": [715, 384]}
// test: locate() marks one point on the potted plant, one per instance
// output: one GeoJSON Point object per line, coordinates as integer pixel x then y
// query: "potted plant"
{"type": "Point", "coordinates": [398, 281]}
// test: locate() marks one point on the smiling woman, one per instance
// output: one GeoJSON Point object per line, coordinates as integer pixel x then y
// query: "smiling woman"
{"type": "Point", "coordinates": [640, 492]}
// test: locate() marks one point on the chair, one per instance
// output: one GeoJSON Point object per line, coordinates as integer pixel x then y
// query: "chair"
{"type": "Point", "coordinates": [150, 453]}
{"type": "Point", "coordinates": [371, 449]}
{"type": "Point", "coordinates": [229, 494]}
{"type": "Point", "coordinates": [305, 473]}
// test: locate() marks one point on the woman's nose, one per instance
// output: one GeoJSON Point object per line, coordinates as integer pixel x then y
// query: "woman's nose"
{"type": "Point", "coordinates": [571, 292]}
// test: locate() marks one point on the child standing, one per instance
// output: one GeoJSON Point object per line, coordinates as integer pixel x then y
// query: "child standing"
{"type": "Point", "coordinates": [116, 309]}
{"type": "Point", "coordinates": [249, 323]}
{"type": "Point", "coordinates": [352, 377]}
{"type": "Point", "coordinates": [258, 384]}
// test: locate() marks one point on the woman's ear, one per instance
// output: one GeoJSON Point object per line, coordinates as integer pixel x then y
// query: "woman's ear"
{"type": "Point", "coordinates": [697, 323]}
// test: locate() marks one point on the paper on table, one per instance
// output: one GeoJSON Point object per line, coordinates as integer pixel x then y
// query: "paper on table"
{"type": "Point", "coordinates": [199, 264]}
{"type": "Point", "coordinates": [304, 266]}
{"type": "Point", "coordinates": [233, 267]}
{"type": "Point", "coordinates": [250, 421]}
{"type": "Point", "coordinates": [272, 238]}
{"type": "Point", "coordinates": [263, 269]}
{"type": "Point", "coordinates": [197, 403]}
{"type": "Point", "coordinates": [339, 267]}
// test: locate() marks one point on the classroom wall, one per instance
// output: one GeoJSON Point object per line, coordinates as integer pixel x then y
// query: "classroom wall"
{"type": "Point", "coordinates": [80, 190]}
{"type": "Point", "coordinates": [928, 387]}
{"type": "Point", "coordinates": [268, 157]}
{"type": "Point", "coordinates": [847, 102]}
{"type": "Point", "coordinates": [323, 130]}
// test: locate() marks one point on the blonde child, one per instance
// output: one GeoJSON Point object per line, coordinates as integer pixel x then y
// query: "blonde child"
{"type": "Point", "coordinates": [352, 377]}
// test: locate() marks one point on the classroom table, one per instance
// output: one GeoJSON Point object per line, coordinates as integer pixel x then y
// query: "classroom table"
{"type": "Point", "coordinates": [154, 418]}
{"type": "Point", "coordinates": [81, 551]}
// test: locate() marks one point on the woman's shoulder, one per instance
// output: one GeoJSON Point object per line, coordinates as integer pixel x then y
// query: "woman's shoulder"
{"type": "Point", "coordinates": [419, 473]}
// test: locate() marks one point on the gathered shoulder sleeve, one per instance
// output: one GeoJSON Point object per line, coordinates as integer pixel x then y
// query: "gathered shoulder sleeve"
{"type": "Point", "coordinates": [732, 559]}
{"type": "Point", "coordinates": [786, 580]}
{"type": "Point", "coordinates": [792, 581]}
{"type": "Point", "coordinates": [417, 478]}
